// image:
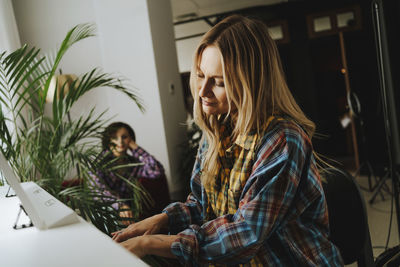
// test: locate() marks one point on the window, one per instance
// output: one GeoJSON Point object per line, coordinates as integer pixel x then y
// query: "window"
{"type": "Point", "coordinates": [279, 31]}
{"type": "Point", "coordinates": [333, 21]}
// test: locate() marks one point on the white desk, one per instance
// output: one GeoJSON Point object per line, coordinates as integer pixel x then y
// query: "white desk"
{"type": "Point", "coordinates": [79, 244]}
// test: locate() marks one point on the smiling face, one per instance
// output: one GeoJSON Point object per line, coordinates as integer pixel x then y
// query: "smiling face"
{"type": "Point", "coordinates": [210, 82]}
{"type": "Point", "coordinates": [120, 142]}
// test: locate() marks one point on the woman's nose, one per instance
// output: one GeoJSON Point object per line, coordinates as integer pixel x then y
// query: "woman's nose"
{"type": "Point", "coordinates": [205, 89]}
{"type": "Point", "coordinates": [119, 141]}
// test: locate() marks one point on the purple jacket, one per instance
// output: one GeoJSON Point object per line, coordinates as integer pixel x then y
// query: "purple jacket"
{"type": "Point", "coordinates": [111, 185]}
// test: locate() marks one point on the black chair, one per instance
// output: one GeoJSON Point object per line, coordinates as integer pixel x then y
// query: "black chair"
{"type": "Point", "coordinates": [348, 218]}
{"type": "Point", "coordinates": [389, 258]}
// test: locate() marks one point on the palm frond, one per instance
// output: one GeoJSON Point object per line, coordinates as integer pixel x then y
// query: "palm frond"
{"type": "Point", "coordinates": [75, 35]}
{"type": "Point", "coordinates": [17, 83]}
{"type": "Point", "coordinates": [47, 148]}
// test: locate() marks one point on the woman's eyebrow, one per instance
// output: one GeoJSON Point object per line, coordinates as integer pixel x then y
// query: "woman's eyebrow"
{"type": "Point", "coordinates": [213, 76]}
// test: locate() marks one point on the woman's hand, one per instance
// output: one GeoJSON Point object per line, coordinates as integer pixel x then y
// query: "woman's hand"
{"type": "Point", "coordinates": [151, 225]}
{"type": "Point", "coordinates": [159, 245]}
{"type": "Point", "coordinates": [136, 246]}
{"type": "Point", "coordinates": [133, 145]}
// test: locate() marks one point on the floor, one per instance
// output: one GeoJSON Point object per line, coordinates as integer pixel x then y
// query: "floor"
{"type": "Point", "coordinates": [379, 217]}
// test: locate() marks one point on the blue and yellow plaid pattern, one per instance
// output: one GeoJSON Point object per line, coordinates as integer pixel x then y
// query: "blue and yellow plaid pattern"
{"type": "Point", "coordinates": [234, 168]}
{"type": "Point", "coordinates": [257, 213]}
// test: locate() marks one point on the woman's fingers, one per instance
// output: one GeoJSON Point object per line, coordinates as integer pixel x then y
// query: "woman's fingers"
{"type": "Point", "coordinates": [124, 234]}
{"type": "Point", "coordinates": [119, 237]}
{"type": "Point", "coordinates": [114, 233]}
{"type": "Point", "coordinates": [133, 145]}
{"type": "Point", "coordinates": [135, 246]}
{"type": "Point", "coordinates": [151, 225]}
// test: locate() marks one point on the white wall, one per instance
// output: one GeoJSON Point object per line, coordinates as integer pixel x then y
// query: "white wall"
{"type": "Point", "coordinates": [186, 47]}
{"type": "Point", "coordinates": [44, 24]}
{"type": "Point", "coordinates": [126, 45]}
{"type": "Point", "coordinates": [211, 7]}
{"type": "Point", "coordinates": [9, 40]}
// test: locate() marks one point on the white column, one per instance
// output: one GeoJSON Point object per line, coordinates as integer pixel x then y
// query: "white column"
{"type": "Point", "coordinates": [169, 84]}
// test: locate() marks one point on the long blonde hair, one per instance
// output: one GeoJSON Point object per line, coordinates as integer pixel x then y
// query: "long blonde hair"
{"type": "Point", "coordinates": [254, 82]}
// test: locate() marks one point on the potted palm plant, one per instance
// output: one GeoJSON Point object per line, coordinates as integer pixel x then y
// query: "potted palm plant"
{"type": "Point", "coordinates": [44, 147]}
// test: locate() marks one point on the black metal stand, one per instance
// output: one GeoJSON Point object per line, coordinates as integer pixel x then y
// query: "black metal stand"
{"type": "Point", "coordinates": [355, 108]}
{"type": "Point", "coordinates": [370, 174]}
{"type": "Point", "coordinates": [383, 34]}
{"type": "Point", "coordinates": [366, 163]}
{"type": "Point", "coordinates": [21, 226]}
{"type": "Point", "coordinates": [8, 192]}
{"type": "Point", "coordinates": [381, 185]}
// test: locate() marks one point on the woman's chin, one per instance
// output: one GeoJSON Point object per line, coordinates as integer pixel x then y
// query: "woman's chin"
{"type": "Point", "coordinates": [209, 110]}
{"type": "Point", "coordinates": [119, 153]}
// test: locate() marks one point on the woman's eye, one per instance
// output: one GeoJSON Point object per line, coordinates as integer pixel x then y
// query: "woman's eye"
{"type": "Point", "coordinates": [220, 84]}
{"type": "Point", "coordinates": [200, 75]}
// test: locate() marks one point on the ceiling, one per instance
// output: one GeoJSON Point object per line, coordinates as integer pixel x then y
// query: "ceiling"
{"type": "Point", "coordinates": [186, 9]}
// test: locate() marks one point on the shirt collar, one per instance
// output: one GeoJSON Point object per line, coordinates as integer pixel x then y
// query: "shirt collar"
{"type": "Point", "coordinates": [244, 141]}
{"type": "Point", "coordinates": [248, 141]}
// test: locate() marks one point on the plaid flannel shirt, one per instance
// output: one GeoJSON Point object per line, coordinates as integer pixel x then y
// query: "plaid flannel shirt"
{"type": "Point", "coordinates": [257, 213]}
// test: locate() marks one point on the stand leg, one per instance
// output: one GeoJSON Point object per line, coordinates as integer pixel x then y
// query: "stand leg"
{"type": "Point", "coordinates": [378, 188]}
{"type": "Point", "coordinates": [371, 173]}
{"type": "Point", "coordinates": [8, 192]}
{"type": "Point", "coordinates": [396, 182]}
{"type": "Point", "coordinates": [16, 226]}
{"type": "Point", "coordinates": [370, 176]}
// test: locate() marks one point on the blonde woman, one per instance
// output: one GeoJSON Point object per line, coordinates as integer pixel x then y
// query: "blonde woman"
{"type": "Point", "coordinates": [256, 197]}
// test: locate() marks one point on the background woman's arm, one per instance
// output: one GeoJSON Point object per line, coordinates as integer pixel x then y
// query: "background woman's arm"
{"type": "Point", "coordinates": [151, 167]}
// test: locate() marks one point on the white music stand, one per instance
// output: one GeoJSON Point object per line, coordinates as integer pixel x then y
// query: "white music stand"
{"type": "Point", "coordinates": [43, 209]}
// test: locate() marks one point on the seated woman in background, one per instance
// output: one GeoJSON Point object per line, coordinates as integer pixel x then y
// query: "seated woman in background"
{"type": "Point", "coordinates": [119, 138]}
{"type": "Point", "coordinates": [256, 195]}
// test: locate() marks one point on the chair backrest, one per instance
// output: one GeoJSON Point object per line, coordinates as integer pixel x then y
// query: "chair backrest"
{"type": "Point", "coordinates": [348, 218]}
{"type": "Point", "coordinates": [158, 190]}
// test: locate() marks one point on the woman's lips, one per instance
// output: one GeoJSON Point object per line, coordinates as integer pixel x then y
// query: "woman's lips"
{"type": "Point", "coordinates": [206, 103]}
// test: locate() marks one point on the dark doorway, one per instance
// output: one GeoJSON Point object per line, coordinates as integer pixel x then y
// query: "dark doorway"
{"type": "Point", "coordinates": [333, 138]}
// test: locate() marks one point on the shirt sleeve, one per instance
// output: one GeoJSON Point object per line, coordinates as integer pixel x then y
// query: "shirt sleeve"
{"type": "Point", "coordinates": [263, 206]}
{"type": "Point", "coordinates": [151, 167]}
{"type": "Point", "coordinates": [100, 189]}
{"type": "Point", "coordinates": [181, 215]}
